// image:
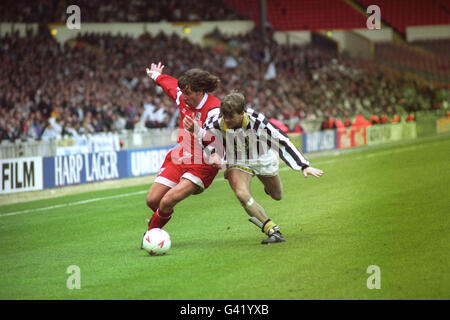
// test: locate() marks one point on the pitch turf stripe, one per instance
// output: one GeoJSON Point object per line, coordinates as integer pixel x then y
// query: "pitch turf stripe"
{"type": "Point", "coordinates": [70, 204]}
{"type": "Point", "coordinates": [318, 161]}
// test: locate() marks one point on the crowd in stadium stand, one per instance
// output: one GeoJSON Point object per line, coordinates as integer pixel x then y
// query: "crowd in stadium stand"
{"type": "Point", "coordinates": [116, 10]}
{"type": "Point", "coordinates": [98, 83]}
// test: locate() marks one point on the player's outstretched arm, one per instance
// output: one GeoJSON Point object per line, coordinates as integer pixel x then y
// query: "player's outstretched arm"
{"type": "Point", "coordinates": [167, 83]}
{"type": "Point", "coordinates": [312, 171]}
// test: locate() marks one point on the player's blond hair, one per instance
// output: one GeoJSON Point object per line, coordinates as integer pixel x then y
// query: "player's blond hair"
{"type": "Point", "coordinates": [232, 103]}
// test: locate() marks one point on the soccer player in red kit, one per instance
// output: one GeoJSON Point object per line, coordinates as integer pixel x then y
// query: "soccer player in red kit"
{"type": "Point", "coordinates": [184, 171]}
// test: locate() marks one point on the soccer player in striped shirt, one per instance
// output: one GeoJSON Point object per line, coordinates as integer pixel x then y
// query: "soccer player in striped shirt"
{"type": "Point", "coordinates": [245, 143]}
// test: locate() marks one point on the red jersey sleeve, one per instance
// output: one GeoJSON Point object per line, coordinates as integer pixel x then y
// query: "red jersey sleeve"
{"type": "Point", "coordinates": [170, 87]}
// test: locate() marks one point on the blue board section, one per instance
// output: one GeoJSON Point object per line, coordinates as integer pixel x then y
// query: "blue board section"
{"type": "Point", "coordinates": [83, 168]}
{"type": "Point", "coordinates": [146, 161]}
{"type": "Point", "coordinates": [318, 141]}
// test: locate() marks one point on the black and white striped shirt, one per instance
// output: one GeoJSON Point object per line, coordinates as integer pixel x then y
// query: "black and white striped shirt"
{"type": "Point", "coordinates": [256, 136]}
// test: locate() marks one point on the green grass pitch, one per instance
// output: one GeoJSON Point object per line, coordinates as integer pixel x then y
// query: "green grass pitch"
{"type": "Point", "coordinates": [386, 206]}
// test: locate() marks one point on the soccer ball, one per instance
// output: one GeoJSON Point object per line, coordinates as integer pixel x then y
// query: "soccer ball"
{"type": "Point", "coordinates": [156, 242]}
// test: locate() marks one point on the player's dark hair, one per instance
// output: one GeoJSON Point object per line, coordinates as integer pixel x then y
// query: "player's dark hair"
{"type": "Point", "coordinates": [198, 80]}
{"type": "Point", "coordinates": [233, 102]}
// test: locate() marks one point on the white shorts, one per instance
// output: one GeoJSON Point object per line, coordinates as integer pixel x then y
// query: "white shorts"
{"type": "Point", "coordinates": [265, 165]}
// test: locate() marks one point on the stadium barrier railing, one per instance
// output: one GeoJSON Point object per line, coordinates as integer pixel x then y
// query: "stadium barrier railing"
{"type": "Point", "coordinates": [128, 139]}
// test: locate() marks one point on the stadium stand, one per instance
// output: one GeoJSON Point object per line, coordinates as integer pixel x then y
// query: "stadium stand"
{"type": "Point", "coordinates": [96, 82]}
{"type": "Point", "coordinates": [286, 15]}
{"type": "Point", "coordinates": [432, 65]}
{"type": "Point", "coordinates": [402, 13]}
{"type": "Point", "coordinates": [116, 11]}
{"type": "Point", "coordinates": [439, 46]}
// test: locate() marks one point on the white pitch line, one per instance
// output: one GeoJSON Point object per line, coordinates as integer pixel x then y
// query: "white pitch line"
{"type": "Point", "coordinates": [72, 203]}
{"type": "Point", "coordinates": [381, 153]}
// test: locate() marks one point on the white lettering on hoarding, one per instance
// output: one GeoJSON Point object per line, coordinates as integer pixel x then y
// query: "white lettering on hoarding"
{"type": "Point", "coordinates": [146, 162]}
{"type": "Point", "coordinates": [103, 166]}
{"type": "Point", "coordinates": [98, 166]}
{"type": "Point", "coordinates": [68, 169]}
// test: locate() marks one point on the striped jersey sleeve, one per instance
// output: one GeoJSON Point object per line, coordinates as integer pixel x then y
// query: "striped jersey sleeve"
{"type": "Point", "coordinates": [277, 139]}
{"type": "Point", "coordinates": [214, 139]}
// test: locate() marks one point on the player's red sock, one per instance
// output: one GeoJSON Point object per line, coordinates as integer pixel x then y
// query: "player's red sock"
{"type": "Point", "coordinates": [159, 219]}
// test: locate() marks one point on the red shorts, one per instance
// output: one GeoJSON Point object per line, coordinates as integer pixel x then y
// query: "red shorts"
{"type": "Point", "coordinates": [171, 173]}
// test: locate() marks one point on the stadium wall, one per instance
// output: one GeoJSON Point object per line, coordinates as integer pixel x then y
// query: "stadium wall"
{"type": "Point", "coordinates": [382, 35]}
{"type": "Point", "coordinates": [415, 33]}
{"type": "Point", "coordinates": [21, 28]}
{"type": "Point", "coordinates": [193, 31]}
{"type": "Point", "coordinates": [356, 44]}
{"type": "Point", "coordinates": [292, 37]}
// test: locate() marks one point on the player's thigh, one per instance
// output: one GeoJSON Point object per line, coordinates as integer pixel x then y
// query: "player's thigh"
{"type": "Point", "coordinates": [181, 191]}
{"type": "Point", "coordinates": [168, 177]}
{"type": "Point", "coordinates": [202, 176]}
{"type": "Point", "coordinates": [273, 185]}
{"type": "Point", "coordinates": [240, 183]}
{"type": "Point", "coordinates": [155, 194]}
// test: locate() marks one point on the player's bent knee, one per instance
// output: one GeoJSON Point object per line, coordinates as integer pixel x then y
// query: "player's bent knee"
{"type": "Point", "coordinates": [170, 199]}
{"type": "Point", "coordinates": [277, 196]}
{"type": "Point", "coordinates": [167, 203]}
{"type": "Point", "coordinates": [242, 195]}
{"type": "Point", "coordinates": [275, 193]}
{"type": "Point", "coordinates": [198, 190]}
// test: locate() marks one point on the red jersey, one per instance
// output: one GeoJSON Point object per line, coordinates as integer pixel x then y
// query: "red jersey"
{"type": "Point", "coordinates": [191, 151]}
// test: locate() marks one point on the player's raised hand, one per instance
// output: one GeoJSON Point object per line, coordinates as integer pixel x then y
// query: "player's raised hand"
{"type": "Point", "coordinates": [155, 68]}
{"type": "Point", "coordinates": [312, 171]}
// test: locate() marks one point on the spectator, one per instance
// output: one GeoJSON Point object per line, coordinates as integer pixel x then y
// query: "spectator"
{"type": "Point", "coordinates": [50, 132]}
{"type": "Point", "coordinates": [69, 130]}
{"type": "Point", "coordinates": [117, 11]}
{"type": "Point", "coordinates": [298, 128]}
{"type": "Point", "coordinates": [119, 123]}
{"type": "Point", "coordinates": [106, 91]}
